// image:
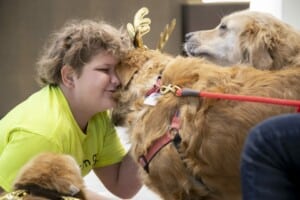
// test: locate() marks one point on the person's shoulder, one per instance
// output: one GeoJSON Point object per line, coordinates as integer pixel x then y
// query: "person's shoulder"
{"type": "Point", "coordinates": [41, 112]}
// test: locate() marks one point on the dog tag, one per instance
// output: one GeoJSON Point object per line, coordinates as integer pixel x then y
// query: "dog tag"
{"type": "Point", "coordinates": [152, 99]}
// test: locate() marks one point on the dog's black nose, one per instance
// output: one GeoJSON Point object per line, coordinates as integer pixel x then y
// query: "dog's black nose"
{"type": "Point", "coordinates": [188, 36]}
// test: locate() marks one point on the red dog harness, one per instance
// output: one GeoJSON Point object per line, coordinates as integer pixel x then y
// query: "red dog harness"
{"type": "Point", "coordinates": [171, 135]}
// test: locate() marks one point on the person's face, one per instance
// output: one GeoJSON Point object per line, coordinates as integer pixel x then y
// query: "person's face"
{"type": "Point", "coordinates": [97, 82]}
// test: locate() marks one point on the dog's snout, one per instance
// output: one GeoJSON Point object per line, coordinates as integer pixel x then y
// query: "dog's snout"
{"type": "Point", "coordinates": [188, 36]}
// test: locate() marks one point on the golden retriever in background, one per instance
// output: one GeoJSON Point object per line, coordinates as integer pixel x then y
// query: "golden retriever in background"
{"type": "Point", "coordinates": [50, 176]}
{"type": "Point", "coordinates": [202, 161]}
{"type": "Point", "coordinates": [255, 38]}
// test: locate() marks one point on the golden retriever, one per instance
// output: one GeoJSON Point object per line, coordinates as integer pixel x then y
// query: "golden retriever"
{"type": "Point", "coordinates": [49, 176]}
{"type": "Point", "coordinates": [199, 159]}
{"type": "Point", "coordinates": [249, 37]}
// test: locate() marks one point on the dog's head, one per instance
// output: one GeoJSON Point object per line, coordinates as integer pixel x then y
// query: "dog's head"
{"type": "Point", "coordinates": [138, 71]}
{"type": "Point", "coordinates": [53, 173]}
{"type": "Point", "coordinates": [219, 44]}
{"type": "Point", "coordinates": [249, 37]}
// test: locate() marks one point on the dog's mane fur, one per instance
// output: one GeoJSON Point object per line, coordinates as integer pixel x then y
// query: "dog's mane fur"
{"type": "Point", "coordinates": [268, 41]}
{"type": "Point", "coordinates": [206, 164]}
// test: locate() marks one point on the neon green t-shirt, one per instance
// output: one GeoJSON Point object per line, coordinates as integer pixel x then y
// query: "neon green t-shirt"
{"type": "Point", "coordinates": [44, 122]}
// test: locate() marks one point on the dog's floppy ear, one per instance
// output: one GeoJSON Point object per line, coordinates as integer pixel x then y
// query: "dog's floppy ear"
{"type": "Point", "coordinates": [130, 64]}
{"type": "Point", "coordinates": [256, 44]}
{"type": "Point", "coordinates": [126, 73]}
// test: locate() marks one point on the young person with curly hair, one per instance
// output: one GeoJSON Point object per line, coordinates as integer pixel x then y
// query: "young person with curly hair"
{"type": "Point", "coordinates": [68, 114]}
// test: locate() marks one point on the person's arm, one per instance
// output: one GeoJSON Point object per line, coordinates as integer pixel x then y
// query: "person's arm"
{"type": "Point", "coordinates": [122, 178]}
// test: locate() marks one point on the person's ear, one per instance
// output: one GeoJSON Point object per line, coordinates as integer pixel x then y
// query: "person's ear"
{"type": "Point", "coordinates": [67, 76]}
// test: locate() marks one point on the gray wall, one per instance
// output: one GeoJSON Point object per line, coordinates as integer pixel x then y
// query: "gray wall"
{"type": "Point", "coordinates": [25, 25]}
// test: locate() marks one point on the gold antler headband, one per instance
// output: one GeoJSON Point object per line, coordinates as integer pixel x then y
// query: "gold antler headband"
{"type": "Point", "coordinates": [141, 26]}
{"type": "Point", "coordinates": [164, 36]}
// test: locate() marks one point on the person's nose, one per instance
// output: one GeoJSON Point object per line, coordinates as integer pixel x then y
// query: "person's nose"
{"type": "Point", "coordinates": [115, 79]}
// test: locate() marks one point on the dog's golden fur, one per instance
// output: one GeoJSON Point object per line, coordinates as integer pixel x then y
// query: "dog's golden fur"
{"type": "Point", "coordinates": [249, 37]}
{"type": "Point", "coordinates": [206, 163]}
{"type": "Point", "coordinates": [55, 172]}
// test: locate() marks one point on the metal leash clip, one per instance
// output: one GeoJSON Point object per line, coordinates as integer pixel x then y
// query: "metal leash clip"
{"type": "Point", "coordinates": [164, 89]}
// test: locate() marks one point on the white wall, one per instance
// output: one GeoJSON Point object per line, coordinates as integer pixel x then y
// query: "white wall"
{"type": "Point", "coordinates": [286, 10]}
{"type": "Point", "coordinates": [291, 12]}
{"type": "Point", "coordinates": [271, 6]}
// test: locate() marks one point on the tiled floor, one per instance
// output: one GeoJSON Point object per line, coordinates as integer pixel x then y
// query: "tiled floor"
{"type": "Point", "coordinates": [93, 182]}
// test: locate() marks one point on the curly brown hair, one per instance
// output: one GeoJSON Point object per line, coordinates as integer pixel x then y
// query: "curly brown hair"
{"type": "Point", "coordinates": [74, 45]}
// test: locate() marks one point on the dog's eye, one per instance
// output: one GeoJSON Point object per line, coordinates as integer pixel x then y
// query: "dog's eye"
{"type": "Point", "coordinates": [223, 26]}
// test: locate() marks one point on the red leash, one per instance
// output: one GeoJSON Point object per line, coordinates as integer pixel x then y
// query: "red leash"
{"type": "Point", "coordinates": [190, 92]}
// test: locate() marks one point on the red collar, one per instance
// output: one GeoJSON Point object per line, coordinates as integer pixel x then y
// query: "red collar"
{"type": "Point", "coordinates": [155, 88]}
{"type": "Point", "coordinates": [171, 135]}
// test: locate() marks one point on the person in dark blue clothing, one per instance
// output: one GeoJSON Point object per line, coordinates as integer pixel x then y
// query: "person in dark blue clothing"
{"type": "Point", "coordinates": [270, 163]}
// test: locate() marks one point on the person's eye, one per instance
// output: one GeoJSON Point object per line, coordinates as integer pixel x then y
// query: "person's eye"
{"type": "Point", "coordinates": [105, 70]}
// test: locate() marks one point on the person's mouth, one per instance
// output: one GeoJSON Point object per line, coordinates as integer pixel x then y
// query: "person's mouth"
{"type": "Point", "coordinates": [111, 91]}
